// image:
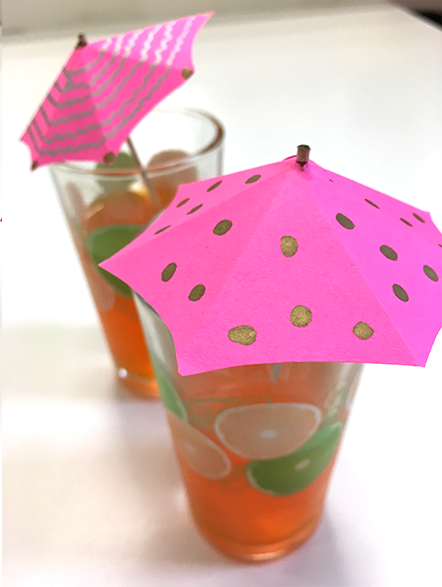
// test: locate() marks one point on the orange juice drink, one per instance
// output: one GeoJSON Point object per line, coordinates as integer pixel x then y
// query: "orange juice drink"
{"type": "Point", "coordinates": [107, 206]}
{"type": "Point", "coordinates": [107, 223]}
{"type": "Point", "coordinates": [256, 444]}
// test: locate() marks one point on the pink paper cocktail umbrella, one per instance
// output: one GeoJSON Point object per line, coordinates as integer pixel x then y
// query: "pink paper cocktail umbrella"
{"type": "Point", "coordinates": [289, 262]}
{"type": "Point", "coordinates": [106, 88]}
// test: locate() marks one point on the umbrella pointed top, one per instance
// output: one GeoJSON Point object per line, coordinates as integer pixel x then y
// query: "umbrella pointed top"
{"type": "Point", "coordinates": [302, 155]}
{"type": "Point", "coordinates": [82, 42]}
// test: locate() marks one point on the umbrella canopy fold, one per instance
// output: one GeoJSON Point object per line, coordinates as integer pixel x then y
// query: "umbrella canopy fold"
{"type": "Point", "coordinates": [282, 263]}
{"type": "Point", "coordinates": [107, 87]}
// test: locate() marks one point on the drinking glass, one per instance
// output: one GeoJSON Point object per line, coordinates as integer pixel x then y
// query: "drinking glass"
{"type": "Point", "coordinates": [106, 207]}
{"type": "Point", "coordinates": [256, 444]}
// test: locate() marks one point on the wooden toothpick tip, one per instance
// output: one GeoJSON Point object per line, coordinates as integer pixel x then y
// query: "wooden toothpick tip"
{"type": "Point", "coordinates": [82, 42]}
{"type": "Point", "coordinates": [302, 155]}
{"type": "Point", "coordinates": [109, 158]}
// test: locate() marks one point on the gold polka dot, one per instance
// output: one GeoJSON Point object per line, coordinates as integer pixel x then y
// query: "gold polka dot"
{"type": "Point", "coordinates": [289, 246]}
{"type": "Point", "coordinates": [163, 229]}
{"type": "Point", "coordinates": [222, 227]}
{"type": "Point", "coordinates": [186, 73]}
{"type": "Point", "coordinates": [244, 334]}
{"type": "Point", "coordinates": [344, 221]}
{"type": "Point", "coordinates": [194, 209]}
{"type": "Point", "coordinates": [34, 165]}
{"type": "Point", "coordinates": [406, 222]}
{"type": "Point", "coordinates": [388, 252]}
{"type": "Point", "coordinates": [253, 179]}
{"type": "Point", "coordinates": [363, 330]}
{"type": "Point", "coordinates": [431, 273]}
{"type": "Point", "coordinates": [400, 293]}
{"type": "Point", "coordinates": [371, 203]}
{"type": "Point", "coordinates": [300, 316]}
{"type": "Point", "coordinates": [182, 202]}
{"type": "Point", "coordinates": [197, 293]}
{"type": "Point", "coordinates": [418, 217]}
{"type": "Point", "coordinates": [214, 186]}
{"type": "Point", "coordinates": [168, 272]}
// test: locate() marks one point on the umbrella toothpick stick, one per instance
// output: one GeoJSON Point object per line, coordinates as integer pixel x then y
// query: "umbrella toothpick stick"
{"type": "Point", "coordinates": [143, 173]}
{"type": "Point", "coordinates": [82, 42]}
{"type": "Point", "coordinates": [302, 155]}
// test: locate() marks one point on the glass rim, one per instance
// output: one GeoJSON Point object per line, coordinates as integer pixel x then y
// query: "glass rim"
{"type": "Point", "coordinates": [173, 165]}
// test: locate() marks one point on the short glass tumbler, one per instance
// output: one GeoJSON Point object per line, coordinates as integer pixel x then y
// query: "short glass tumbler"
{"type": "Point", "coordinates": [256, 444]}
{"type": "Point", "coordinates": [107, 207]}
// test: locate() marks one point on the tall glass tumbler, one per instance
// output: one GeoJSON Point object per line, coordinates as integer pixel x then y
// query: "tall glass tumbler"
{"type": "Point", "coordinates": [256, 444]}
{"type": "Point", "coordinates": [107, 207]}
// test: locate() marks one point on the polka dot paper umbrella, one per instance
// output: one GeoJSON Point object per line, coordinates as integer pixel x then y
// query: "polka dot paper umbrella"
{"type": "Point", "coordinates": [289, 262]}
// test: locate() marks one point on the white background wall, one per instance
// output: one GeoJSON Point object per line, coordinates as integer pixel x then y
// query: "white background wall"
{"type": "Point", "coordinates": [37, 16]}
{"type": "Point", "coordinates": [30, 16]}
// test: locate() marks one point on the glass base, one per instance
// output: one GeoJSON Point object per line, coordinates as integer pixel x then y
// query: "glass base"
{"type": "Point", "coordinates": [142, 387]}
{"type": "Point", "coordinates": [260, 552]}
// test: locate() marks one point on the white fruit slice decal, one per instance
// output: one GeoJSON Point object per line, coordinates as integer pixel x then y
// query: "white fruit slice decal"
{"type": "Point", "coordinates": [267, 431]}
{"type": "Point", "coordinates": [197, 450]}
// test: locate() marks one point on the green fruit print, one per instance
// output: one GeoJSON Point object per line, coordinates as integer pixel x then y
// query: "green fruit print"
{"type": "Point", "coordinates": [169, 395]}
{"type": "Point", "coordinates": [122, 161]}
{"type": "Point", "coordinates": [295, 471]}
{"type": "Point", "coordinates": [105, 242]}
{"type": "Point", "coordinates": [110, 183]}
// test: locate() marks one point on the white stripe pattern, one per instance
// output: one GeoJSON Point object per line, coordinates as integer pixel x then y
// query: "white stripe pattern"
{"type": "Point", "coordinates": [105, 46]}
{"type": "Point", "coordinates": [148, 43]}
{"type": "Point", "coordinates": [164, 42]}
{"type": "Point", "coordinates": [131, 44]}
{"type": "Point", "coordinates": [118, 44]}
{"type": "Point", "coordinates": [180, 41]}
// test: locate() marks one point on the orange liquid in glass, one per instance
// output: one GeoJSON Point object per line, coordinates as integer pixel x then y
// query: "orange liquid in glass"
{"type": "Point", "coordinates": [118, 314]}
{"type": "Point", "coordinates": [235, 517]}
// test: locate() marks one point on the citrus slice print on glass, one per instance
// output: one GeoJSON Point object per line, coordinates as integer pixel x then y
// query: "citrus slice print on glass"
{"type": "Point", "coordinates": [295, 471]}
{"type": "Point", "coordinates": [102, 292]}
{"type": "Point", "coordinates": [335, 403]}
{"type": "Point", "coordinates": [105, 242]}
{"type": "Point", "coordinates": [339, 399]}
{"type": "Point", "coordinates": [169, 395]}
{"type": "Point", "coordinates": [197, 450]}
{"type": "Point", "coordinates": [267, 431]}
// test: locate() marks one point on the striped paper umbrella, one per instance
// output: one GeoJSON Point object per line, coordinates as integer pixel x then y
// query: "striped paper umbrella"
{"type": "Point", "coordinates": [106, 88]}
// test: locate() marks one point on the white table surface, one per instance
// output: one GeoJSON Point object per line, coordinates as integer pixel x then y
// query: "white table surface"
{"type": "Point", "coordinates": [92, 493]}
